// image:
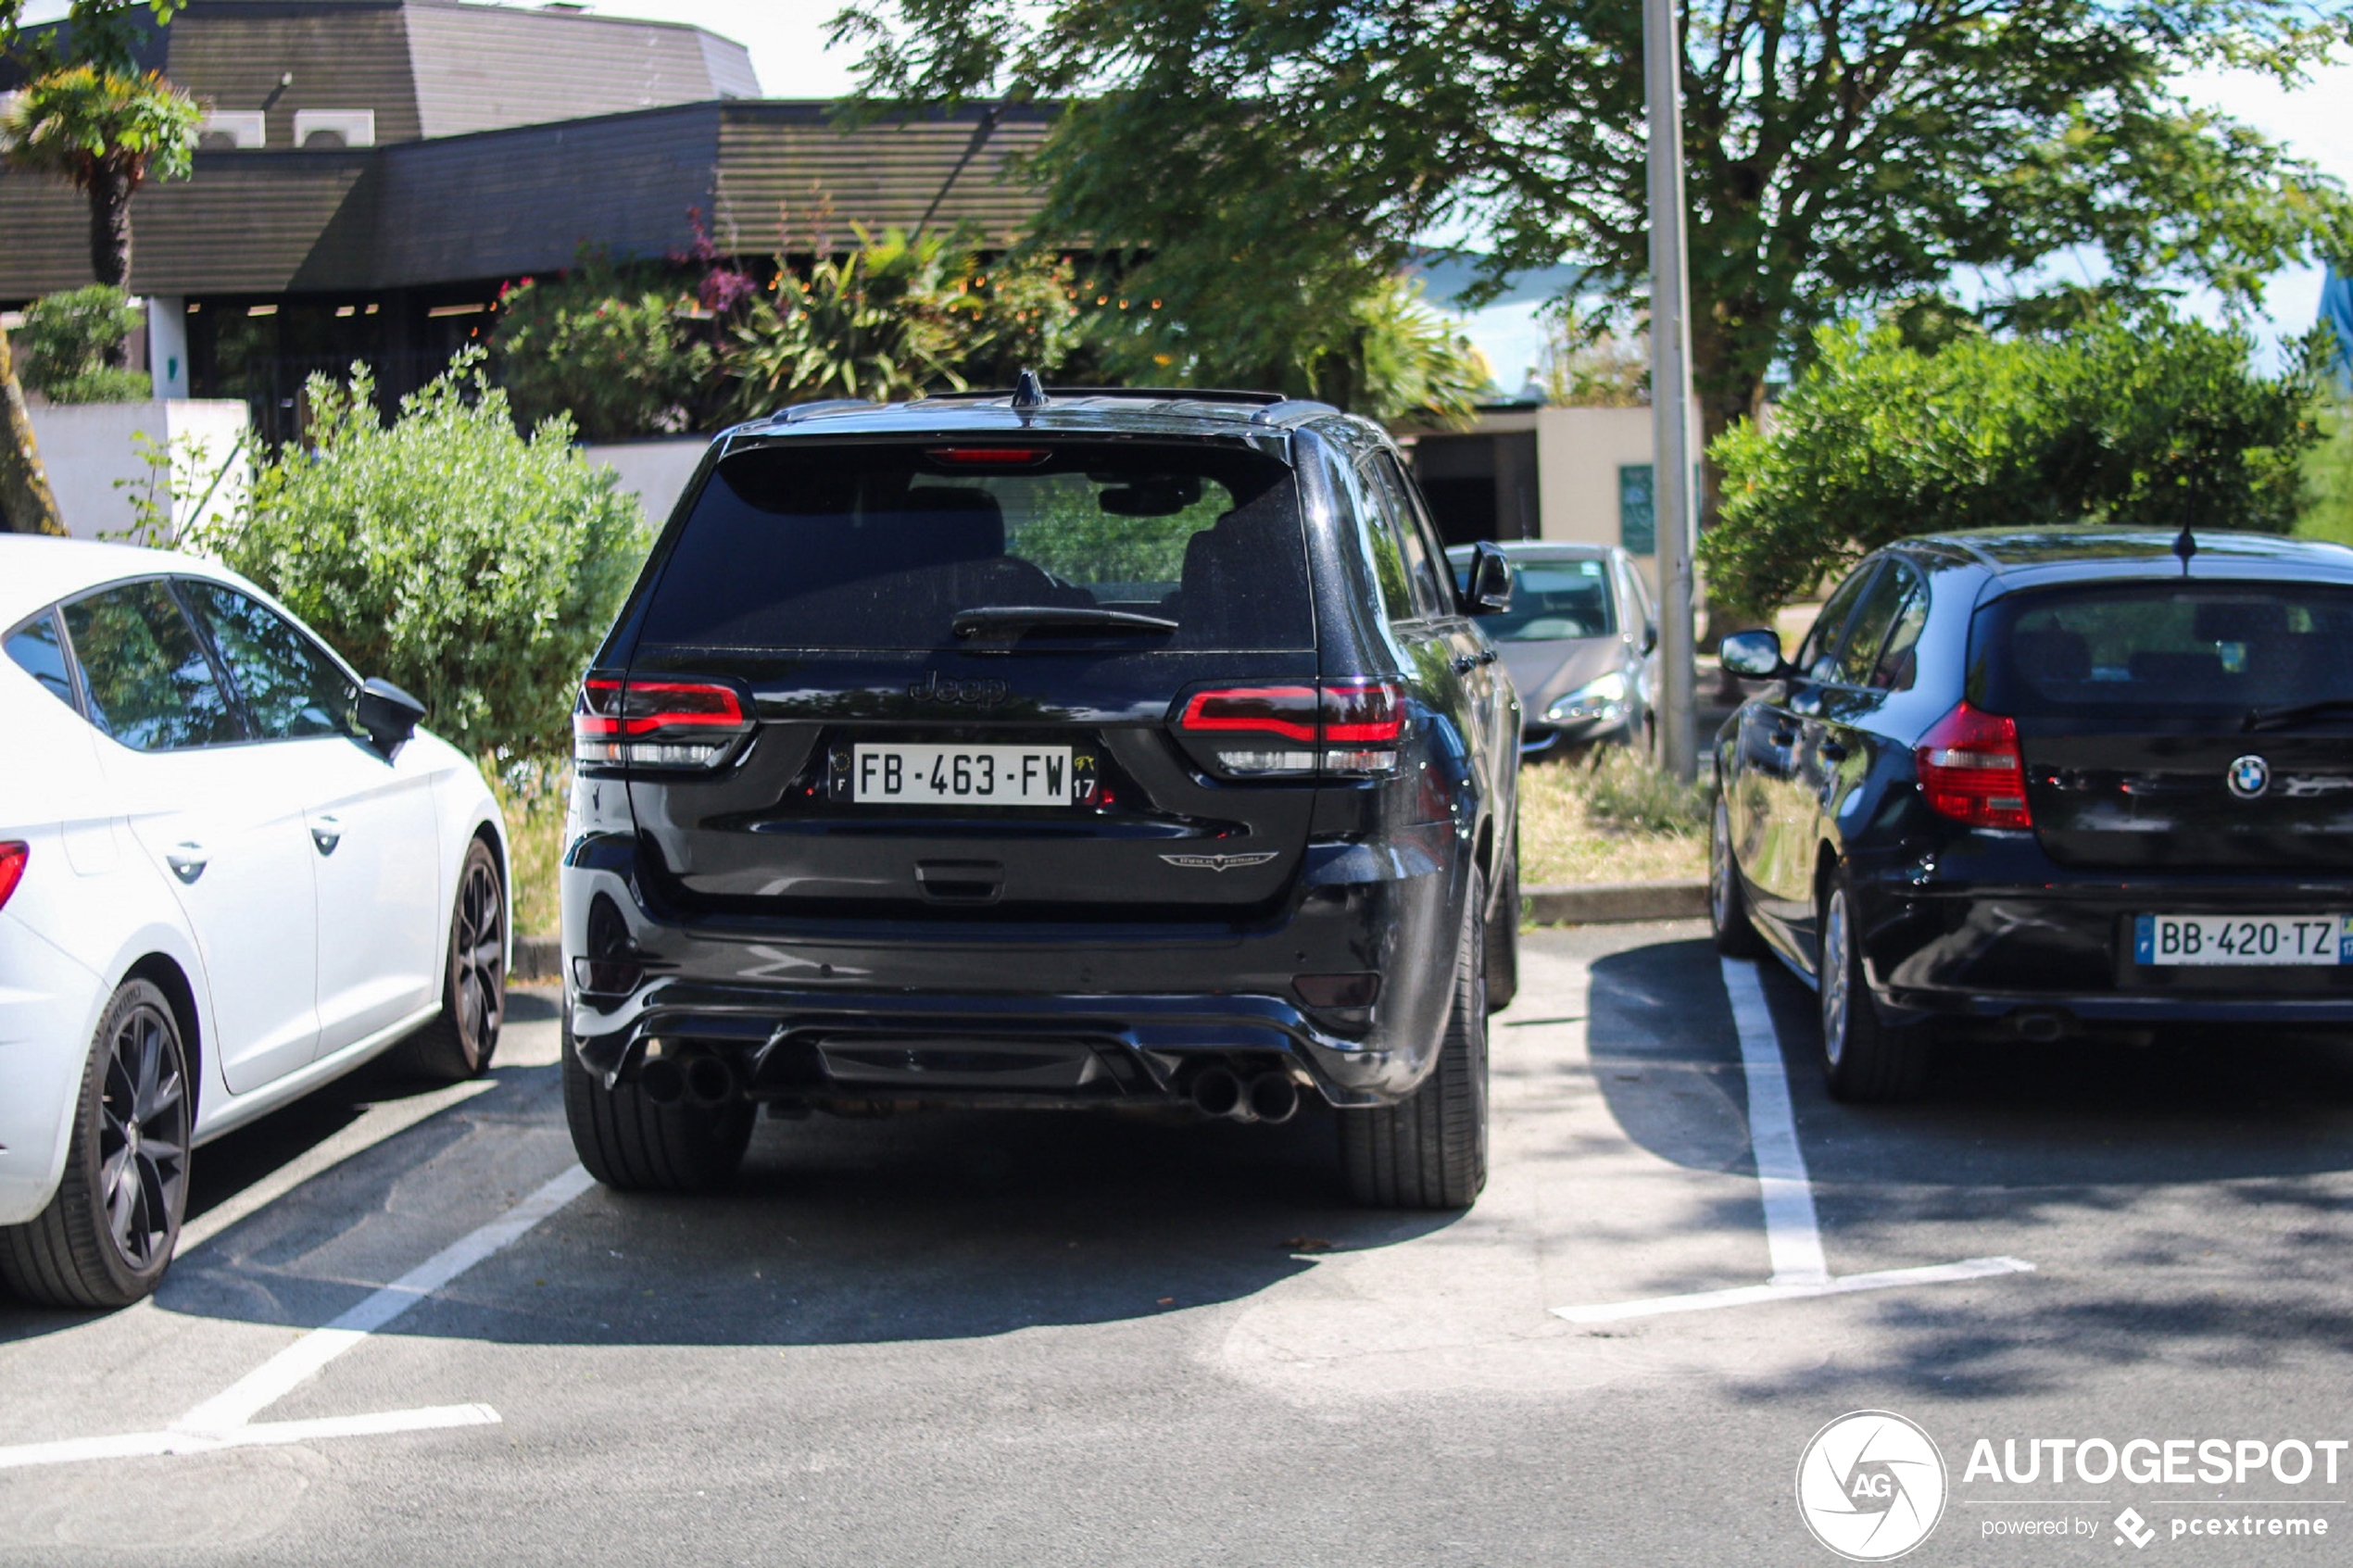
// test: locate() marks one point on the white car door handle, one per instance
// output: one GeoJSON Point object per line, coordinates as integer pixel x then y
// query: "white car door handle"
{"type": "Point", "coordinates": [326, 833]}
{"type": "Point", "coordinates": [187, 861]}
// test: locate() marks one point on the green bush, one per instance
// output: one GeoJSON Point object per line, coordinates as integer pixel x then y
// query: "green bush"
{"type": "Point", "coordinates": [2152, 421]}
{"type": "Point", "coordinates": [475, 567]}
{"type": "Point", "coordinates": [65, 342]}
{"type": "Point", "coordinates": [615, 354]}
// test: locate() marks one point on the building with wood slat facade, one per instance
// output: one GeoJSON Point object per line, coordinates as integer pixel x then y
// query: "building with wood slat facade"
{"type": "Point", "coordinates": [374, 170]}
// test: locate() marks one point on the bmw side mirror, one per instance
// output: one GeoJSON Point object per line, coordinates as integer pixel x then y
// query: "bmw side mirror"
{"type": "Point", "coordinates": [1490, 581]}
{"type": "Point", "coordinates": [388, 714]}
{"type": "Point", "coordinates": [1754, 656]}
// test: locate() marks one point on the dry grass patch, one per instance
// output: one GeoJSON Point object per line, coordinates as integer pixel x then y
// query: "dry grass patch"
{"type": "Point", "coordinates": [1610, 819]}
{"type": "Point", "coordinates": [532, 797]}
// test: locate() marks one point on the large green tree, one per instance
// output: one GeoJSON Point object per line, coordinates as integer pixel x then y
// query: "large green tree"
{"type": "Point", "coordinates": [102, 32]}
{"type": "Point", "coordinates": [1256, 159]}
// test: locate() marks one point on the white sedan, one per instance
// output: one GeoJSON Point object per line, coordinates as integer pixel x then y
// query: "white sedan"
{"type": "Point", "coordinates": [230, 869]}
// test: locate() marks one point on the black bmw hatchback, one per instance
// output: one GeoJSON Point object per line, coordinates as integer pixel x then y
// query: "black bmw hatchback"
{"type": "Point", "coordinates": [2038, 785]}
{"type": "Point", "coordinates": [1106, 749]}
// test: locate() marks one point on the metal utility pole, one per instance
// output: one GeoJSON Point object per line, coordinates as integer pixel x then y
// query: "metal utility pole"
{"type": "Point", "coordinates": [1670, 385]}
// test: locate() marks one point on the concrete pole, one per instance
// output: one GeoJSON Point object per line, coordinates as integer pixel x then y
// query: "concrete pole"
{"type": "Point", "coordinates": [1670, 385]}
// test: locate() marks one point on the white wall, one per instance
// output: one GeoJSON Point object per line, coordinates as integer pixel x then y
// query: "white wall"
{"type": "Point", "coordinates": [654, 472]}
{"type": "Point", "coordinates": [88, 447]}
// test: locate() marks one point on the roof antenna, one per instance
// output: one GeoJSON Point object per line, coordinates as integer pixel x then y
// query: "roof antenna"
{"type": "Point", "coordinates": [2185, 545]}
{"type": "Point", "coordinates": [1028, 391]}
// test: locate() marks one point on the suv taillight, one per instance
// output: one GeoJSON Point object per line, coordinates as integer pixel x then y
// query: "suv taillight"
{"type": "Point", "coordinates": [1347, 729]}
{"type": "Point", "coordinates": [12, 860]}
{"type": "Point", "coordinates": [1971, 772]}
{"type": "Point", "coordinates": [655, 723]}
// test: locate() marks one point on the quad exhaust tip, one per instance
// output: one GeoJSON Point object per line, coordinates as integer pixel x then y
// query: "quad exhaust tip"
{"type": "Point", "coordinates": [1270, 1098]}
{"type": "Point", "coordinates": [704, 1082]}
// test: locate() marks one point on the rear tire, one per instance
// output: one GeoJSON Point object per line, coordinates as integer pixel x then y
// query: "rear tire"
{"type": "Point", "coordinates": [1430, 1149]}
{"type": "Point", "coordinates": [1865, 1061]}
{"type": "Point", "coordinates": [107, 1234]}
{"type": "Point", "coordinates": [1503, 934]}
{"type": "Point", "coordinates": [460, 1044]}
{"type": "Point", "coordinates": [633, 1145]}
{"type": "Point", "coordinates": [1727, 904]}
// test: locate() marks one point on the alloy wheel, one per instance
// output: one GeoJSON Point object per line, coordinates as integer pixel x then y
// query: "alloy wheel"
{"type": "Point", "coordinates": [143, 1136]}
{"type": "Point", "coordinates": [1836, 967]}
{"type": "Point", "coordinates": [479, 951]}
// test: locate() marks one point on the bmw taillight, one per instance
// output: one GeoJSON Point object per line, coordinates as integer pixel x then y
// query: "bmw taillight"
{"type": "Point", "coordinates": [12, 860]}
{"type": "Point", "coordinates": [1297, 730]}
{"type": "Point", "coordinates": [1971, 771]}
{"type": "Point", "coordinates": [657, 724]}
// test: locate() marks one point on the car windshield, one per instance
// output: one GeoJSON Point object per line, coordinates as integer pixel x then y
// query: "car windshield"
{"type": "Point", "coordinates": [1551, 599]}
{"type": "Point", "coordinates": [894, 546]}
{"type": "Point", "coordinates": [2215, 648]}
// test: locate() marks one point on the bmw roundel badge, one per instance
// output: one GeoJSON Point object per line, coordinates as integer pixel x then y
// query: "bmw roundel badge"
{"type": "Point", "coordinates": [2249, 777]}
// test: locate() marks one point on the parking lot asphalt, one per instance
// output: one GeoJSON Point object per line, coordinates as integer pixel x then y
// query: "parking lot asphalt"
{"type": "Point", "coordinates": [1021, 1339]}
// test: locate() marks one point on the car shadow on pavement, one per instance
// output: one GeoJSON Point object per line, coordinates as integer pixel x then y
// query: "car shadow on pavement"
{"type": "Point", "coordinates": [938, 1224]}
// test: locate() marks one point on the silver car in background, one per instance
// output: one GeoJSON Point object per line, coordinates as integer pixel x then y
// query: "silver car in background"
{"type": "Point", "coordinates": [1580, 641]}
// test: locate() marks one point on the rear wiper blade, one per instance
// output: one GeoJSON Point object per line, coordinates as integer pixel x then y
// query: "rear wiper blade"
{"type": "Point", "coordinates": [1012, 621]}
{"type": "Point", "coordinates": [2281, 717]}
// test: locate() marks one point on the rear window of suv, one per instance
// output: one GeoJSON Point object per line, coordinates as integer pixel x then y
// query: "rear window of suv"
{"type": "Point", "coordinates": [2212, 648]}
{"type": "Point", "coordinates": [805, 545]}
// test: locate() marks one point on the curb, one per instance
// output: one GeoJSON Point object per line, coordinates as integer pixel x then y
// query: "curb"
{"type": "Point", "coordinates": [1593, 903]}
{"type": "Point", "coordinates": [537, 958]}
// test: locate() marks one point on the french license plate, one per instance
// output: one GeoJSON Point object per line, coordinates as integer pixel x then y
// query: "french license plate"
{"type": "Point", "coordinates": [2242, 939]}
{"type": "Point", "coordinates": [965, 776]}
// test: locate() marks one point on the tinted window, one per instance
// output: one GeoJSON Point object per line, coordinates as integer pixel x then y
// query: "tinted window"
{"type": "Point", "coordinates": [879, 546]}
{"type": "Point", "coordinates": [1814, 654]}
{"type": "Point", "coordinates": [1425, 557]}
{"type": "Point", "coordinates": [1553, 599]}
{"type": "Point", "coordinates": [35, 649]}
{"type": "Point", "coordinates": [1868, 628]}
{"type": "Point", "coordinates": [149, 683]}
{"type": "Point", "coordinates": [291, 687]}
{"type": "Point", "coordinates": [2207, 648]}
{"type": "Point", "coordinates": [1899, 656]}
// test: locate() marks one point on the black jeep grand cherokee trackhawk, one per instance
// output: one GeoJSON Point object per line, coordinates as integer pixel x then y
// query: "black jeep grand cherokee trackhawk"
{"type": "Point", "coordinates": [1119, 748]}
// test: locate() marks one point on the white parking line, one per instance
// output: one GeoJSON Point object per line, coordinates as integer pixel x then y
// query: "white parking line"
{"type": "Point", "coordinates": [226, 1420]}
{"type": "Point", "coordinates": [1793, 1232]}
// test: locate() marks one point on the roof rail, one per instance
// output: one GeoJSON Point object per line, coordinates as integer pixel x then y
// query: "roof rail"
{"type": "Point", "coordinates": [1157, 394]}
{"type": "Point", "coordinates": [1291, 411]}
{"type": "Point", "coordinates": [800, 411]}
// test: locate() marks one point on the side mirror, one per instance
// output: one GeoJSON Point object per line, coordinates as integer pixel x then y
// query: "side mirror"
{"type": "Point", "coordinates": [1490, 581]}
{"type": "Point", "coordinates": [1755, 655]}
{"type": "Point", "coordinates": [388, 714]}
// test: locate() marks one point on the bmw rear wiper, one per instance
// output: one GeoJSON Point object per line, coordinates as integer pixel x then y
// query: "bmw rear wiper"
{"type": "Point", "coordinates": [1015, 620]}
{"type": "Point", "coordinates": [2281, 717]}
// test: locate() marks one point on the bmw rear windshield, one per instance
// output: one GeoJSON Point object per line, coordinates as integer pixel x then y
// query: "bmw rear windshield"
{"type": "Point", "coordinates": [926, 546]}
{"type": "Point", "coordinates": [2205, 648]}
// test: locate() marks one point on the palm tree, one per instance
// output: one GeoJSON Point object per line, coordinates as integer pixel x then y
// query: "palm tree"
{"type": "Point", "coordinates": [108, 133]}
{"type": "Point", "coordinates": [26, 505]}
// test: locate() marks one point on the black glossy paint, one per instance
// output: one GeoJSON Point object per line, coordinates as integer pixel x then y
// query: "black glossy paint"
{"type": "Point", "coordinates": [2130, 818]}
{"type": "Point", "coordinates": [839, 951]}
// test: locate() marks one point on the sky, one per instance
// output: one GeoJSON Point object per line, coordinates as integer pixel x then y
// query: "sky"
{"type": "Point", "coordinates": [787, 42]}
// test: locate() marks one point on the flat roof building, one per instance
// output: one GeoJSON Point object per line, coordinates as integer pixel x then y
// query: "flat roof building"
{"type": "Point", "coordinates": [372, 171]}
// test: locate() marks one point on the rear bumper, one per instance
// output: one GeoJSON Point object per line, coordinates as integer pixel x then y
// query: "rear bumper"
{"type": "Point", "coordinates": [2062, 946]}
{"type": "Point", "coordinates": [988, 1012]}
{"type": "Point", "coordinates": [47, 1008]}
